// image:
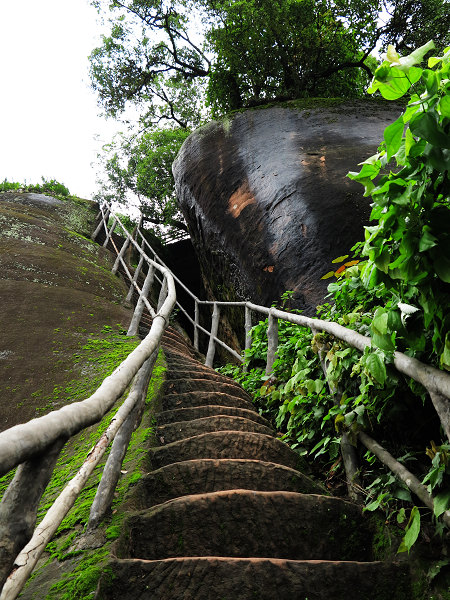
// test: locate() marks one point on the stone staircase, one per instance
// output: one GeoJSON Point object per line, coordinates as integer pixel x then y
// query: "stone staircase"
{"type": "Point", "coordinates": [225, 514]}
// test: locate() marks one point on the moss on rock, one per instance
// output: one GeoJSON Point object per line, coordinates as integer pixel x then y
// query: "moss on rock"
{"type": "Point", "coordinates": [57, 293]}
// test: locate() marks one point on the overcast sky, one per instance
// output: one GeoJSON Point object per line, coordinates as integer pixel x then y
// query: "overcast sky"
{"type": "Point", "coordinates": [49, 118]}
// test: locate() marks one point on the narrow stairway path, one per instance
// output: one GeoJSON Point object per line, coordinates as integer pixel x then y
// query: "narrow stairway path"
{"type": "Point", "coordinates": [225, 514]}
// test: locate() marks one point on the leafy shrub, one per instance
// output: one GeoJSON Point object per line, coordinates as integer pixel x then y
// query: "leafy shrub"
{"type": "Point", "coordinates": [46, 187]}
{"type": "Point", "coordinates": [395, 288]}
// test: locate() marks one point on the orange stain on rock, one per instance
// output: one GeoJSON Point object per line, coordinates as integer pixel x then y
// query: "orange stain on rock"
{"type": "Point", "coordinates": [240, 199]}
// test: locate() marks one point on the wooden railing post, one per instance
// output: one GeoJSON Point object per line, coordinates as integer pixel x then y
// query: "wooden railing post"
{"type": "Point", "coordinates": [19, 506]}
{"type": "Point", "coordinates": [196, 322]}
{"type": "Point", "coordinates": [348, 451]}
{"type": "Point", "coordinates": [136, 274]}
{"type": "Point", "coordinates": [111, 472]}
{"type": "Point", "coordinates": [214, 329]}
{"type": "Point", "coordinates": [272, 342]}
{"type": "Point", "coordinates": [248, 328]}
{"type": "Point", "coordinates": [134, 325]}
{"type": "Point", "coordinates": [110, 232]}
{"type": "Point", "coordinates": [162, 293]}
{"type": "Point", "coordinates": [102, 223]}
{"type": "Point", "coordinates": [442, 407]}
{"type": "Point", "coordinates": [120, 256]}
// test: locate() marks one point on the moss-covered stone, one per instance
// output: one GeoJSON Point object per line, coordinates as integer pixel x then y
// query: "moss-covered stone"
{"type": "Point", "coordinates": [56, 292]}
{"type": "Point", "coordinates": [74, 560]}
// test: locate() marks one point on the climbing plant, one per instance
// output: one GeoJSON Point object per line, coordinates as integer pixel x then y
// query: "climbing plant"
{"type": "Point", "coordinates": [395, 288]}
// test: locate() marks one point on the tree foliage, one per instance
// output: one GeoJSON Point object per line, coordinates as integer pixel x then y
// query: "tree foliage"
{"type": "Point", "coordinates": [396, 289]}
{"type": "Point", "coordinates": [141, 166]}
{"type": "Point", "coordinates": [160, 54]}
{"type": "Point", "coordinates": [282, 50]}
{"type": "Point", "coordinates": [176, 61]}
{"type": "Point", "coordinates": [408, 249]}
{"type": "Point", "coordinates": [150, 60]}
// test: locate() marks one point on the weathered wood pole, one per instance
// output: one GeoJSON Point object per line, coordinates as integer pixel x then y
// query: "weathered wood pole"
{"type": "Point", "coordinates": [196, 323]}
{"type": "Point", "coordinates": [272, 342]}
{"type": "Point", "coordinates": [442, 407]}
{"type": "Point", "coordinates": [402, 473]}
{"type": "Point", "coordinates": [214, 329]}
{"type": "Point", "coordinates": [162, 293]}
{"type": "Point", "coordinates": [111, 472]}
{"type": "Point", "coordinates": [102, 223]}
{"type": "Point", "coordinates": [120, 256]}
{"type": "Point", "coordinates": [248, 328]}
{"type": "Point", "coordinates": [19, 506]}
{"type": "Point", "coordinates": [348, 452]}
{"type": "Point", "coordinates": [137, 315]}
{"type": "Point", "coordinates": [136, 274]}
{"type": "Point", "coordinates": [110, 232]}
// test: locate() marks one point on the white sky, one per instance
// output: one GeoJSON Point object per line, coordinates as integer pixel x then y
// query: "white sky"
{"type": "Point", "coordinates": [49, 118]}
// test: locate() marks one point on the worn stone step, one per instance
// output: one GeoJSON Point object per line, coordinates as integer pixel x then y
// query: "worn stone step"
{"type": "Point", "coordinates": [171, 401]}
{"type": "Point", "coordinates": [172, 358]}
{"type": "Point", "coordinates": [203, 374]}
{"type": "Point", "coordinates": [172, 340]}
{"type": "Point", "coordinates": [180, 430]}
{"type": "Point", "coordinates": [209, 410]}
{"type": "Point", "coordinates": [223, 578]}
{"type": "Point", "coordinates": [177, 362]}
{"type": "Point", "coordinates": [226, 444]}
{"type": "Point", "coordinates": [200, 476]}
{"type": "Point", "coordinates": [181, 386]}
{"type": "Point", "coordinates": [247, 523]}
{"type": "Point", "coordinates": [180, 347]}
{"type": "Point", "coordinates": [172, 334]}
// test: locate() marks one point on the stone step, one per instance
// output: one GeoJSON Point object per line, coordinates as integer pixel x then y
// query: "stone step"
{"type": "Point", "coordinates": [226, 444]}
{"type": "Point", "coordinates": [172, 432]}
{"type": "Point", "coordinates": [171, 333]}
{"type": "Point", "coordinates": [180, 363]}
{"type": "Point", "coordinates": [180, 386]}
{"type": "Point", "coordinates": [194, 373]}
{"type": "Point", "coordinates": [247, 523]}
{"type": "Point", "coordinates": [209, 410]}
{"type": "Point", "coordinates": [192, 399]}
{"type": "Point", "coordinates": [180, 347]}
{"type": "Point", "coordinates": [223, 578]}
{"type": "Point", "coordinates": [170, 338]}
{"type": "Point", "coordinates": [173, 358]}
{"type": "Point", "coordinates": [200, 476]}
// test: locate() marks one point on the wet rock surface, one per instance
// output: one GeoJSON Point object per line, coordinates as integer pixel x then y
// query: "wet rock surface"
{"type": "Point", "coordinates": [266, 197]}
{"type": "Point", "coordinates": [227, 514]}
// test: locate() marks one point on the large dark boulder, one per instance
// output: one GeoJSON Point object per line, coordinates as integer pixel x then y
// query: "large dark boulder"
{"type": "Point", "coordinates": [266, 197]}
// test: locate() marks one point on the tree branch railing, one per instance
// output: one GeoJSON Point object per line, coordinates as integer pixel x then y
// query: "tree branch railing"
{"type": "Point", "coordinates": [34, 446]}
{"type": "Point", "coordinates": [30, 443]}
{"type": "Point", "coordinates": [436, 382]}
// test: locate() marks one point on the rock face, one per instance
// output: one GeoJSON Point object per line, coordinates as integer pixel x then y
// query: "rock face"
{"type": "Point", "coordinates": [56, 293]}
{"type": "Point", "coordinates": [266, 199]}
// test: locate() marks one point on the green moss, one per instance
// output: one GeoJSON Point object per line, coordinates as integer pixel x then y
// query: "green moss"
{"type": "Point", "coordinates": [81, 582]}
{"type": "Point", "coordinates": [312, 104]}
{"type": "Point", "coordinates": [113, 532]}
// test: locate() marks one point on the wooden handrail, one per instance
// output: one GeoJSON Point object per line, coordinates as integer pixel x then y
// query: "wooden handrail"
{"type": "Point", "coordinates": [23, 442]}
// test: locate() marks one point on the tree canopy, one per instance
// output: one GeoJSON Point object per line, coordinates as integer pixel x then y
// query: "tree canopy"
{"type": "Point", "coordinates": [176, 62]}
{"type": "Point", "coordinates": [142, 165]}
{"type": "Point", "coordinates": [169, 57]}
